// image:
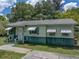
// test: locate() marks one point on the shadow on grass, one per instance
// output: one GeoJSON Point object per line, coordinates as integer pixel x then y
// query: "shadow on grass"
{"type": "Point", "coordinates": [65, 47]}
{"type": "Point", "coordinates": [53, 46]}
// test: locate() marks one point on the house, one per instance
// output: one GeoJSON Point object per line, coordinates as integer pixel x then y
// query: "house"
{"type": "Point", "coordinates": [50, 32]}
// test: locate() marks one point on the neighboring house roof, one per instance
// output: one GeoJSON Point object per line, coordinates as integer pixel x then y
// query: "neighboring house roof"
{"type": "Point", "coordinates": [43, 22]}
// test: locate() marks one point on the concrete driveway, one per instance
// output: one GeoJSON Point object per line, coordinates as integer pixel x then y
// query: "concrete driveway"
{"type": "Point", "coordinates": [10, 47]}
{"type": "Point", "coordinates": [46, 55]}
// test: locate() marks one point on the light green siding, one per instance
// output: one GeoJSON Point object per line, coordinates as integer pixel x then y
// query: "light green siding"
{"type": "Point", "coordinates": [59, 28]}
{"type": "Point", "coordinates": [42, 31]}
{"type": "Point", "coordinates": [39, 40]}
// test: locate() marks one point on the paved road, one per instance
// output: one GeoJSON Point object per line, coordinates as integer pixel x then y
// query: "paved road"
{"type": "Point", "coordinates": [46, 55]}
{"type": "Point", "coordinates": [9, 47]}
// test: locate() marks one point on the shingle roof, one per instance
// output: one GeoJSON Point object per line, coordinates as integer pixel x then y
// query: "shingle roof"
{"type": "Point", "coordinates": [43, 22]}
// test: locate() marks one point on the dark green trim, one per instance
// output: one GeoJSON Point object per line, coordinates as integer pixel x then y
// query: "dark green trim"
{"type": "Point", "coordinates": [49, 40]}
{"type": "Point", "coordinates": [60, 41]}
{"type": "Point", "coordinates": [36, 40]}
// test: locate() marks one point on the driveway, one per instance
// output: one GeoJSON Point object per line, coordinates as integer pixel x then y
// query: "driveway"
{"type": "Point", "coordinates": [9, 47]}
{"type": "Point", "coordinates": [46, 55]}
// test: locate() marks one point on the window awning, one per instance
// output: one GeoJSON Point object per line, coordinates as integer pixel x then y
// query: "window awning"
{"type": "Point", "coordinates": [32, 28]}
{"type": "Point", "coordinates": [66, 31]}
{"type": "Point", "coordinates": [51, 30]}
{"type": "Point", "coordinates": [9, 28]}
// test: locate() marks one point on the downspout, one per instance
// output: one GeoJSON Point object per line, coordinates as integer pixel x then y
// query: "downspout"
{"type": "Point", "coordinates": [46, 34]}
{"type": "Point", "coordinates": [23, 34]}
{"type": "Point", "coordinates": [15, 36]}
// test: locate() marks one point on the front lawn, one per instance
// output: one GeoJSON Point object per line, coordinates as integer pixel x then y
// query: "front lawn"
{"type": "Point", "coordinates": [56, 49]}
{"type": "Point", "coordinates": [7, 54]}
{"type": "Point", "coordinates": [10, 55]}
{"type": "Point", "coordinates": [2, 40]}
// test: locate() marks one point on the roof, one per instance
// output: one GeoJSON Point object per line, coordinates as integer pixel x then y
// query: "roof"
{"type": "Point", "coordinates": [43, 22]}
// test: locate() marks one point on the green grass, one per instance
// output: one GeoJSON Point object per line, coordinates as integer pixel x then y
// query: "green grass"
{"type": "Point", "coordinates": [7, 54]}
{"type": "Point", "coordinates": [55, 49]}
{"type": "Point", "coordinates": [10, 55]}
{"type": "Point", "coordinates": [2, 40]}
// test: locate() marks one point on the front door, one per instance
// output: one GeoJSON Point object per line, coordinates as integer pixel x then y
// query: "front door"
{"type": "Point", "coordinates": [20, 35]}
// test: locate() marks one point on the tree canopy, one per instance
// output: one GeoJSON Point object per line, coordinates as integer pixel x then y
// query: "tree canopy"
{"type": "Point", "coordinates": [21, 10]}
{"type": "Point", "coordinates": [73, 14]}
{"type": "Point", "coordinates": [42, 10]}
{"type": "Point", "coordinates": [49, 9]}
{"type": "Point", "coordinates": [3, 25]}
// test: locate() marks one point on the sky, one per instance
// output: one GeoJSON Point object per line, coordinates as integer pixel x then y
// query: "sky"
{"type": "Point", "coordinates": [6, 5]}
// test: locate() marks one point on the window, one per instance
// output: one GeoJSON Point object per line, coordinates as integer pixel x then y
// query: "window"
{"type": "Point", "coordinates": [65, 34]}
{"type": "Point", "coordinates": [52, 34]}
{"type": "Point", "coordinates": [33, 30]}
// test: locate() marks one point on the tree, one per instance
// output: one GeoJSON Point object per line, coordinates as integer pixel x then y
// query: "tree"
{"type": "Point", "coordinates": [2, 18]}
{"type": "Point", "coordinates": [47, 8]}
{"type": "Point", "coordinates": [42, 10]}
{"type": "Point", "coordinates": [28, 17]}
{"type": "Point", "coordinates": [22, 10]}
{"type": "Point", "coordinates": [57, 4]}
{"type": "Point", "coordinates": [58, 15]}
{"type": "Point", "coordinates": [3, 25]}
{"type": "Point", "coordinates": [73, 14]}
{"type": "Point", "coordinates": [40, 17]}
{"type": "Point", "coordinates": [3, 21]}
